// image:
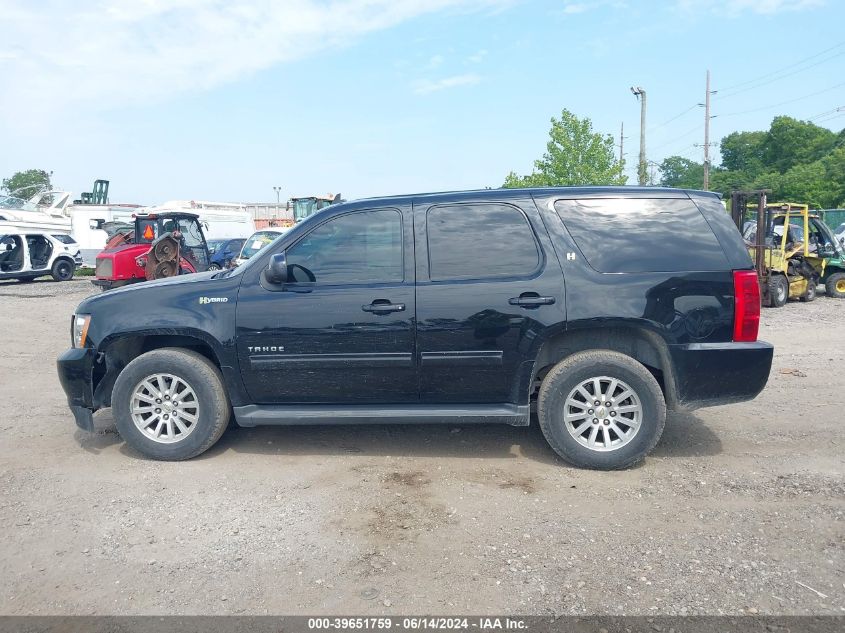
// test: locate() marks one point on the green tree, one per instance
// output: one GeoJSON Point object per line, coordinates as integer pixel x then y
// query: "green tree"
{"type": "Point", "coordinates": [743, 151]}
{"type": "Point", "coordinates": [790, 142]}
{"type": "Point", "coordinates": [575, 155]}
{"type": "Point", "coordinates": [25, 184]}
{"type": "Point", "coordinates": [676, 171]}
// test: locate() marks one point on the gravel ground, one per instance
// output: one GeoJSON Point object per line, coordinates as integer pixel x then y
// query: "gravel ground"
{"type": "Point", "coordinates": [739, 509]}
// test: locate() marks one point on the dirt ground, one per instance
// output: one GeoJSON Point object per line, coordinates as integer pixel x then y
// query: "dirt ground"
{"type": "Point", "coordinates": [739, 509]}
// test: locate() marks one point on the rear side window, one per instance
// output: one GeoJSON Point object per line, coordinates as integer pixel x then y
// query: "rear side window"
{"type": "Point", "coordinates": [65, 239]}
{"type": "Point", "coordinates": [478, 241]}
{"type": "Point", "coordinates": [630, 235]}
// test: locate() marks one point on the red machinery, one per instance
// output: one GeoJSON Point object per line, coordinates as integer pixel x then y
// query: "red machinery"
{"type": "Point", "coordinates": [160, 245]}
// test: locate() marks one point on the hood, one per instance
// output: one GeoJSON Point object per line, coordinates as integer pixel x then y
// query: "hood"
{"type": "Point", "coordinates": [158, 291]}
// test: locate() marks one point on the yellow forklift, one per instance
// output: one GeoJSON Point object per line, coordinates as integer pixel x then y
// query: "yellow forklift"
{"type": "Point", "coordinates": [791, 248]}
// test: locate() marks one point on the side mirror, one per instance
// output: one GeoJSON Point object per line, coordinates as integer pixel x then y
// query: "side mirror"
{"type": "Point", "coordinates": [277, 271]}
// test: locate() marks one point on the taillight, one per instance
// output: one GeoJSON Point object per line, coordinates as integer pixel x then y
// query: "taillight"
{"type": "Point", "coordinates": [746, 306]}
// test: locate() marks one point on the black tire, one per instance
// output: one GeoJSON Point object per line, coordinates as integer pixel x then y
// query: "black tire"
{"type": "Point", "coordinates": [810, 292]}
{"type": "Point", "coordinates": [200, 375]}
{"type": "Point", "coordinates": [778, 291]}
{"type": "Point", "coordinates": [835, 286]}
{"type": "Point", "coordinates": [62, 270]}
{"type": "Point", "coordinates": [565, 377]}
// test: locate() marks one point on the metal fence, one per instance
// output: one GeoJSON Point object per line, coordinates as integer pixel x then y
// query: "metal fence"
{"type": "Point", "coordinates": [832, 217]}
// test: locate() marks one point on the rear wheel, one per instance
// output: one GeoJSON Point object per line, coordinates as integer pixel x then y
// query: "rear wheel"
{"type": "Point", "coordinates": [62, 270]}
{"type": "Point", "coordinates": [810, 292]}
{"type": "Point", "coordinates": [601, 409]}
{"type": "Point", "coordinates": [835, 286]}
{"type": "Point", "coordinates": [170, 404]}
{"type": "Point", "coordinates": [778, 291]}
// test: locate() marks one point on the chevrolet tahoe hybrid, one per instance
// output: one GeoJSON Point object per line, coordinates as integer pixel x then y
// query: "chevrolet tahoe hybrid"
{"type": "Point", "coordinates": [598, 308]}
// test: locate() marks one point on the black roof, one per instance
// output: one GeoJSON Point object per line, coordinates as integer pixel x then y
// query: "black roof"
{"type": "Point", "coordinates": [506, 194]}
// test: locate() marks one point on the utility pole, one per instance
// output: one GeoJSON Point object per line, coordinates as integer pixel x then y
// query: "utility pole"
{"type": "Point", "coordinates": [278, 191]}
{"type": "Point", "coordinates": [707, 133]}
{"type": "Point", "coordinates": [622, 143]}
{"type": "Point", "coordinates": [642, 167]}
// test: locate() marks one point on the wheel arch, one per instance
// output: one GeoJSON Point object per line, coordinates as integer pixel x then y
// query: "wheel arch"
{"type": "Point", "coordinates": [641, 344]}
{"type": "Point", "coordinates": [119, 351]}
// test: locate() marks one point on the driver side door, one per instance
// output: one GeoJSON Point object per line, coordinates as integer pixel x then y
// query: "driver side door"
{"type": "Point", "coordinates": [342, 330]}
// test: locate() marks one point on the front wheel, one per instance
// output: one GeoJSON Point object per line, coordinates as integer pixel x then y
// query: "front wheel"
{"type": "Point", "coordinates": [214, 267]}
{"type": "Point", "coordinates": [170, 404]}
{"type": "Point", "coordinates": [810, 292]}
{"type": "Point", "coordinates": [778, 291]}
{"type": "Point", "coordinates": [62, 270]}
{"type": "Point", "coordinates": [601, 409]}
{"type": "Point", "coordinates": [835, 286]}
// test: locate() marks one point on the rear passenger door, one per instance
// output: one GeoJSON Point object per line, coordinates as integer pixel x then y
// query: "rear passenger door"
{"type": "Point", "coordinates": [488, 283]}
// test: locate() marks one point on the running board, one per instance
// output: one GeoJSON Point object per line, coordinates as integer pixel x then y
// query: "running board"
{"type": "Point", "coordinates": [260, 415]}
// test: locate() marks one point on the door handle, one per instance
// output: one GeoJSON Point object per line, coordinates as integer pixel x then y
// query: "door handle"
{"type": "Point", "coordinates": [530, 300]}
{"type": "Point", "coordinates": [383, 306]}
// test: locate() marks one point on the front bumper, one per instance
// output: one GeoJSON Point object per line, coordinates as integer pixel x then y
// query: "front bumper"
{"type": "Point", "coordinates": [710, 374]}
{"type": "Point", "coordinates": [76, 373]}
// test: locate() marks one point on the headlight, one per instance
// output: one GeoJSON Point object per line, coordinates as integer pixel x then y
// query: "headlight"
{"type": "Point", "coordinates": [80, 329]}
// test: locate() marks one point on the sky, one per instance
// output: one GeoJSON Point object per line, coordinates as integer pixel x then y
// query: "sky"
{"type": "Point", "coordinates": [225, 99]}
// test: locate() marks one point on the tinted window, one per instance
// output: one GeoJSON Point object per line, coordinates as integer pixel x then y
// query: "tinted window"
{"type": "Point", "coordinates": [355, 248]}
{"type": "Point", "coordinates": [476, 241]}
{"type": "Point", "coordinates": [630, 235]}
{"type": "Point", "coordinates": [65, 239]}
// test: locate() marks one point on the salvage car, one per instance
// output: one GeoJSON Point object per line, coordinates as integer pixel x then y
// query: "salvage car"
{"type": "Point", "coordinates": [597, 307]}
{"type": "Point", "coordinates": [26, 256]}
{"type": "Point", "coordinates": [256, 242]}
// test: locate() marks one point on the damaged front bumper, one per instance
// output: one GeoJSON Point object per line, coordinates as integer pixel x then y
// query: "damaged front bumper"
{"type": "Point", "coordinates": [76, 373]}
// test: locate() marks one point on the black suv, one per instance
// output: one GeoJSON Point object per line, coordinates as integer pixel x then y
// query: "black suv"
{"type": "Point", "coordinates": [600, 307]}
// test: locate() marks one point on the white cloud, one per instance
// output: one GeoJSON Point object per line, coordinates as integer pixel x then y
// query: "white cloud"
{"type": "Point", "coordinates": [427, 86]}
{"type": "Point", "coordinates": [577, 7]}
{"type": "Point", "coordinates": [104, 53]}
{"type": "Point", "coordinates": [435, 61]}
{"type": "Point", "coordinates": [737, 7]}
{"type": "Point", "coordinates": [478, 57]}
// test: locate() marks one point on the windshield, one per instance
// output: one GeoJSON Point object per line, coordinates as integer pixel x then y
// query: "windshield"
{"type": "Point", "coordinates": [304, 208]}
{"type": "Point", "coordinates": [10, 202]}
{"type": "Point", "coordinates": [214, 245]}
{"type": "Point", "coordinates": [257, 242]}
{"type": "Point", "coordinates": [828, 237]}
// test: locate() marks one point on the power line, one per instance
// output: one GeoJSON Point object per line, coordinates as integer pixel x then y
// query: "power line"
{"type": "Point", "coordinates": [680, 136]}
{"type": "Point", "coordinates": [777, 105]}
{"type": "Point", "coordinates": [732, 89]}
{"type": "Point", "coordinates": [674, 118]}
{"type": "Point", "coordinates": [831, 117]}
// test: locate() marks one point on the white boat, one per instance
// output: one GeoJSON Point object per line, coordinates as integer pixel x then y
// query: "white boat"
{"type": "Point", "coordinates": [43, 213]}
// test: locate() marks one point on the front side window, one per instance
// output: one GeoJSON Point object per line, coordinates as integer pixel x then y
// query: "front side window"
{"type": "Point", "coordinates": [363, 247]}
{"type": "Point", "coordinates": [478, 241]}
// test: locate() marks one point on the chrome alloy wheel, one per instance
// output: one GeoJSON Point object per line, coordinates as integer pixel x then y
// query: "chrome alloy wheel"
{"type": "Point", "coordinates": [164, 408]}
{"type": "Point", "coordinates": [603, 413]}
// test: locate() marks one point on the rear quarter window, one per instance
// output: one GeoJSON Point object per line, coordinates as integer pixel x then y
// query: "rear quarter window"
{"type": "Point", "coordinates": [630, 235]}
